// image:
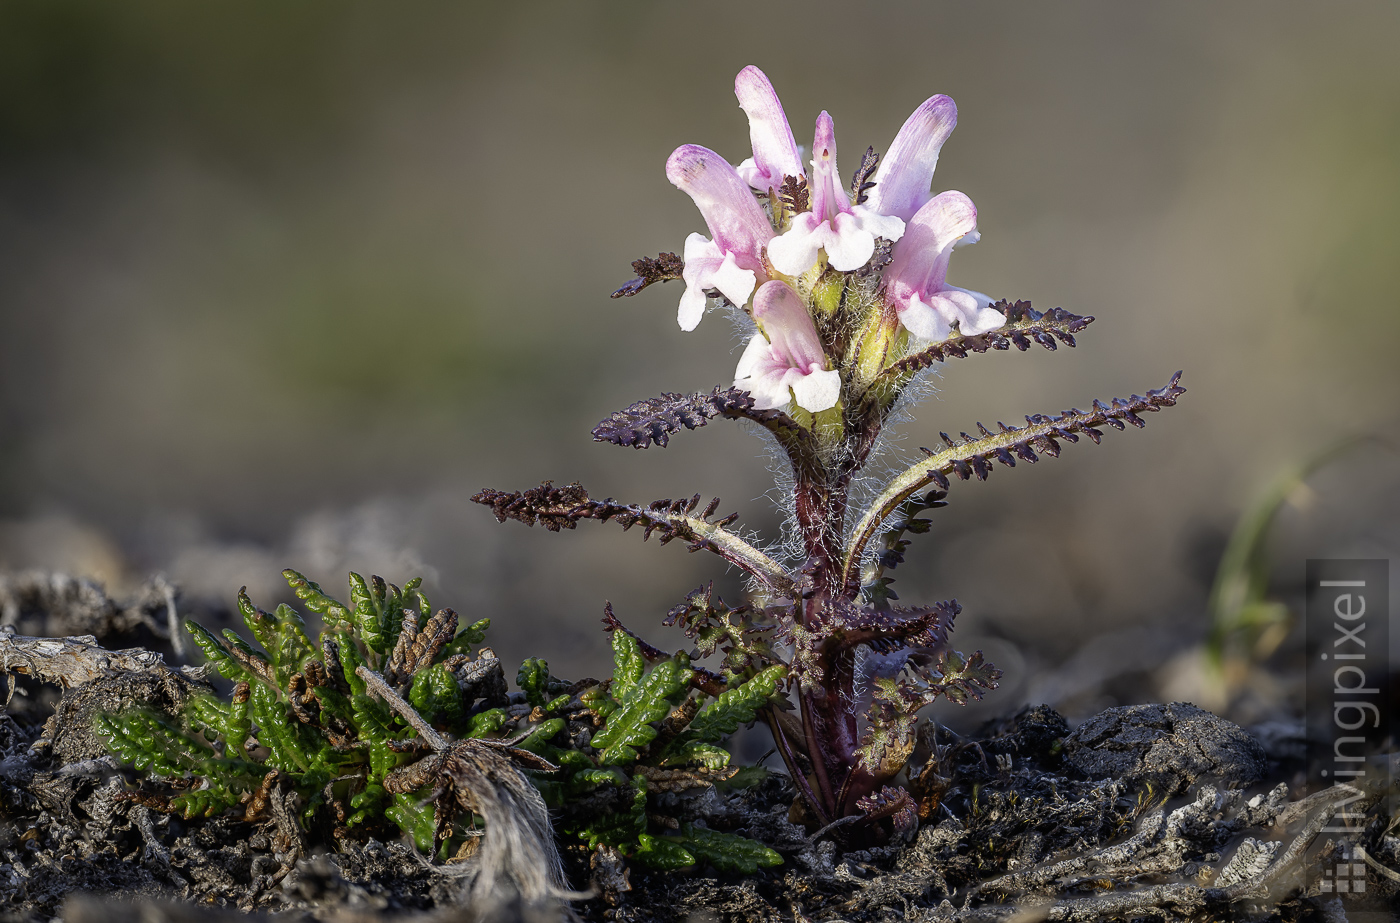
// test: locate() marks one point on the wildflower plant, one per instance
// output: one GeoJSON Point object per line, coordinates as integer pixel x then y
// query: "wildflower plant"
{"type": "Point", "coordinates": [844, 294]}
{"type": "Point", "coordinates": [356, 724]}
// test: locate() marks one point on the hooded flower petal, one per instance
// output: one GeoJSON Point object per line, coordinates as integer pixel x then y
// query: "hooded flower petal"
{"type": "Point", "coordinates": [732, 261]}
{"type": "Point", "coordinates": [847, 233]}
{"type": "Point", "coordinates": [736, 222]}
{"type": "Point", "coordinates": [905, 174]}
{"type": "Point", "coordinates": [775, 152]}
{"type": "Point", "coordinates": [785, 355]}
{"type": "Point", "coordinates": [916, 281]}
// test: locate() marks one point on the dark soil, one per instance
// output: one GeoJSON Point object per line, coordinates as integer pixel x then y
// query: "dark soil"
{"type": "Point", "coordinates": [1025, 820]}
{"type": "Point", "coordinates": [1151, 812]}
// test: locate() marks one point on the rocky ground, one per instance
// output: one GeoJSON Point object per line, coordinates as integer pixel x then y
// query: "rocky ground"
{"type": "Point", "coordinates": [1151, 812]}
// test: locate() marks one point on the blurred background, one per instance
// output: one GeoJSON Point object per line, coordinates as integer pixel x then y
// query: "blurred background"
{"type": "Point", "coordinates": [284, 285]}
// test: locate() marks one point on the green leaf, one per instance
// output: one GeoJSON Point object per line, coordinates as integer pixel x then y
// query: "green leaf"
{"type": "Point", "coordinates": [367, 804]}
{"type": "Point", "coordinates": [486, 723]}
{"type": "Point", "coordinates": [203, 803]}
{"type": "Point", "coordinates": [350, 661]}
{"type": "Point", "coordinates": [662, 854]}
{"type": "Point", "coordinates": [541, 735]}
{"type": "Point", "coordinates": [621, 829]}
{"type": "Point", "coordinates": [277, 731]}
{"type": "Point", "coordinates": [391, 615]}
{"type": "Point", "coordinates": [736, 706]}
{"type": "Point", "coordinates": [436, 695]}
{"type": "Point", "coordinates": [695, 751]}
{"type": "Point", "coordinates": [648, 701]}
{"type": "Point", "coordinates": [745, 777]}
{"type": "Point", "coordinates": [533, 680]}
{"type": "Point", "coordinates": [294, 647]}
{"type": "Point", "coordinates": [217, 720]}
{"type": "Point", "coordinates": [315, 599]}
{"type": "Point", "coordinates": [365, 615]}
{"type": "Point", "coordinates": [466, 638]}
{"type": "Point", "coordinates": [593, 777]}
{"type": "Point", "coordinates": [628, 664]}
{"type": "Point", "coordinates": [215, 652]}
{"type": "Point", "coordinates": [728, 852]}
{"type": "Point", "coordinates": [414, 819]}
{"type": "Point", "coordinates": [262, 625]}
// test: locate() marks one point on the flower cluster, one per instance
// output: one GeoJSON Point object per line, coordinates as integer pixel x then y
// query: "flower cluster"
{"type": "Point", "coordinates": [848, 291]}
{"type": "Point", "coordinates": [777, 260]}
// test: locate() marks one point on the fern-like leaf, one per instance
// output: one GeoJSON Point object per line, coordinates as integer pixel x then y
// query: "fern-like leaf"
{"type": "Point", "coordinates": [1024, 326]}
{"type": "Point", "coordinates": [860, 180]}
{"type": "Point", "coordinates": [736, 706]}
{"type": "Point", "coordinates": [650, 700]}
{"type": "Point", "coordinates": [893, 544]}
{"type": "Point", "coordinates": [960, 679]}
{"type": "Point", "coordinates": [889, 629]}
{"type": "Point", "coordinates": [315, 599]}
{"type": "Point", "coordinates": [894, 803]}
{"type": "Point", "coordinates": [655, 419]}
{"type": "Point", "coordinates": [793, 194]}
{"type": "Point", "coordinates": [973, 457]}
{"type": "Point", "coordinates": [662, 268]}
{"type": "Point", "coordinates": [727, 851]}
{"type": "Point", "coordinates": [558, 508]}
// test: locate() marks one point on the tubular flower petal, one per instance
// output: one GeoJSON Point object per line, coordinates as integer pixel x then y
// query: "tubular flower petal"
{"type": "Point", "coordinates": [916, 282]}
{"type": "Point", "coordinates": [775, 152]}
{"type": "Point", "coordinates": [905, 174]}
{"type": "Point", "coordinates": [784, 360]}
{"type": "Point", "coordinates": [846, 232]}
{"type": "Point", "coordinates": [732, 259]}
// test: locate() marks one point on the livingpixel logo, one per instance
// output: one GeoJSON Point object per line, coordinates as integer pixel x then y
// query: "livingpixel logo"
{"type": "Point", "coordinates": [1348, 713]}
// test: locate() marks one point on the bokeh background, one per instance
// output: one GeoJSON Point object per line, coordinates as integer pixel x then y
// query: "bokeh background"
{"type": "Point", "coordinates": [284, 284]}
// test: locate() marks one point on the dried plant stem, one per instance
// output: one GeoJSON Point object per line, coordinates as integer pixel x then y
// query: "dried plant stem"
{"type": "Point", "coordinates": [67, 662]}
{"type": "Point", "coordinates": [384, 691]}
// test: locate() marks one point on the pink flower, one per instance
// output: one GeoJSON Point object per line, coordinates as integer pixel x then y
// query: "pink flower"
{"type": "Point", "coordinates": [916, 281]}
{"type": "Point", "coordinates": [731, 259]}
{"type": "Point", "coordinates": [846, 232]}
{"type": "Point", "coordinates": [905, 173]}
{"type": "Point", "coordinates": [775, 152]}
{"type": "Point", "coordinates": [784, 360]}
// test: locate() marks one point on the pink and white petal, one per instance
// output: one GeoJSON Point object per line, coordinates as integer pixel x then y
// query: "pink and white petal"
{"type": "Point", "coordinates": [922, 320]}
{"type": "Point", "coordinates": [692, 308]}
{"type": "Point", "coordinates": [977, 314]}
{"type": "Point", "coordinates": [775, 154]}
{"type": "Point", "coordinates": [702, 261]}
{"type": "Point", "coordinates": [905, 173]}
{"type": "Point", "coordinates": [750, 173]}
{"type": "Point", "coordinates": [795, 251]}
{"type": "Point", "coordinates": [848, 246]}
{"type": "Point", "coordinates": [817, 391]}
{"type": "Point", "coordinates": [735, 220]}
{"type": "Point", "coordinates": [920, 259]}
{"type": "Point", "coordinates": [968, 239]}
{"type": "Point", "coordinates": [827, 191]}
{"type": "Point", "coordinates": [886, 226]}
{"type": "Point", "coordinates": [699, 247]}
{"type": "Point", "coordinates": [733, 283]}
{"type": "Point", "coordinates": [782, 316]}
{"type": "Point", "coordinates": [757, 358]}
{"type": "Point", "coordinates": [769, 388]}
